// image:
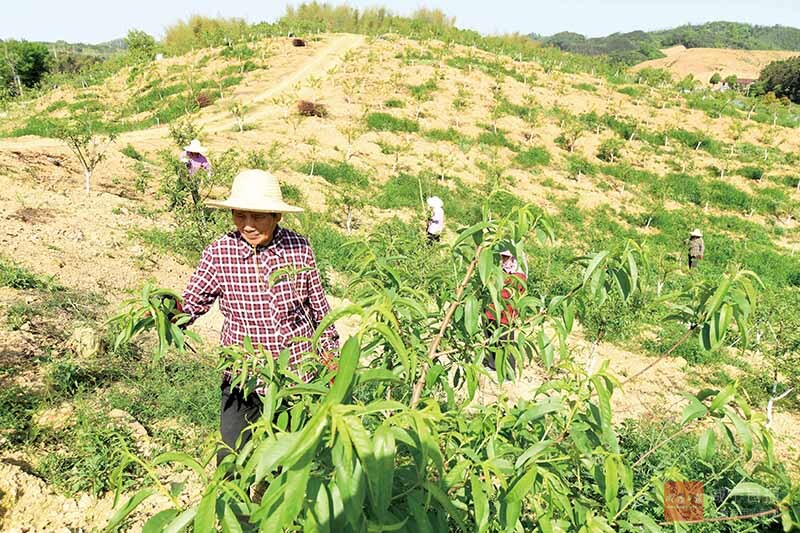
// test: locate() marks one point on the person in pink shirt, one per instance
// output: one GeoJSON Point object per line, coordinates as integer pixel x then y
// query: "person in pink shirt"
{"type": "Point", "coordinates": [194, 156]}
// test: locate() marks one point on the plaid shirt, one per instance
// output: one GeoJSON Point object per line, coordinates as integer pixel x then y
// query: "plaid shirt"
{"type": "Point", "coordinates": [272, 316]}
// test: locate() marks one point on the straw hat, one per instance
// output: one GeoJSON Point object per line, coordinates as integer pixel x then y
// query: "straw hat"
{"type": "Point", "coordinates": [255, 190]}
{"type": "Point", "coordinates": [696, 233]}
{"type": "Point", "coordinates": [195, 147]}
{"type": "Point", "coordinates": [434, 202]}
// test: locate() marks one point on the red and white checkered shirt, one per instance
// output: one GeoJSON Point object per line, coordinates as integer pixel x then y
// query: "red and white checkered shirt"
{"type": "Point", "coordinates": [272, 312]}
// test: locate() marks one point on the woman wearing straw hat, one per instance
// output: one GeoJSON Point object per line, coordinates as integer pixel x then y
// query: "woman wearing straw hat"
{"type": "Point", "coordinates": [697, 247]}
{"type": "Point", "coordinates": [194, 156]}
{"type": "Point", "coordinates": [237, 271]}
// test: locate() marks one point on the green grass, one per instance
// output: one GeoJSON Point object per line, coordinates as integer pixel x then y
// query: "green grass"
{"type": "Point", "coordinates": [450, 134]}
{"type": "Point", "coordinates": [86, 454]}
{"type": "Point", "coordinates": [387, 122]}
{"type": "Point", "coordinates": [533, 157]}
{"type": "Point", "coordinates": [496, 138]}
{"type": "Point", "coordinates": [338, 173]}
{"type": "Point", "coordinates": [423, 91]}
{"type": "Point", "coordinates": [394, 103]}
{"type": "Point", "coordinates": [585, 87]}
{"type": "Point", "coordinates": [131, 152]}
{"type": "Point", "coordinates": [17, 407]}
{"type": "Point", "coordinates": [17, 277]}
{"type": "Point", "coordinates": [752, 173]}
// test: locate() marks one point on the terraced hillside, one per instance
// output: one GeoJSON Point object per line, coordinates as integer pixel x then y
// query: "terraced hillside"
{"type": "Point", "coordinates": [604, 158]}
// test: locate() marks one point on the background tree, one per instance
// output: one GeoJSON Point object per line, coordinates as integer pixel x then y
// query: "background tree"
{"type": "Point", "coordinates": [783, 78]}
{"type": "Point", "coordinates": [715, 78]}
{"type": "Point", "coordinates": [23, 64]}
{"type": "Point", "coordinates": [141, 46]}
{"type": "Point", "coordinates": [238, 110]}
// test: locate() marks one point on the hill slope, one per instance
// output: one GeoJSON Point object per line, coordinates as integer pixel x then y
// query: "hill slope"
{"type": "Point", "coordinates": [634, 47]}
{"type": "Point", "coordinates": [702, 63]}
{"type": "Point", "coordinates": [606, 159]}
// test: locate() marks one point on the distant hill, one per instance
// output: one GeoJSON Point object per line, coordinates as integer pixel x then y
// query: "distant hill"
{"type": "Point", "coordinates": [634, 47]}
{"type": "Point", "coordinates": [99, 50]}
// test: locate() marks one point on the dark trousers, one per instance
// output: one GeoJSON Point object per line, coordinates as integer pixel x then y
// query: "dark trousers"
{"type": "Point", "coordinates": [489, 360]}
{"type": "Point", "coordinates": [236, 414]}
{"type": "Point", "coordinates": [693, 261]}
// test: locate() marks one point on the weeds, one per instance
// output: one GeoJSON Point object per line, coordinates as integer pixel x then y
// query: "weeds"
{"type": "Point", "coordinates": [387, 122]}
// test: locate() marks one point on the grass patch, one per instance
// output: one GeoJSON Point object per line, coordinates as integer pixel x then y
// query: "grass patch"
{"type": "Point", "coordinates": [394, 103]}
{"type": "Point", "coordinates": [450, 134]}
{"type": "Point", "coordinates": [536, 156]}
{"type": "Point", "coordinates": [17, 277]}
{"type": "Point", "coordinates": [585, 87]}
{"type": "Point", "coordinates": [88, 454]}
{"type": "Point", "coordinates": [496, 138]}
{"type": "Point", "coordinates": [338, 173]}
{"type": "Point", "coordinates": [17, 407]}
{"type": "Point", "coordinates": [131, 152]}
{"type": "Point", "coordinates": [387, 122]}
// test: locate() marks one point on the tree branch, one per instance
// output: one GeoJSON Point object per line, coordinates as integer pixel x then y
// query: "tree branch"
{"type": "Point", "coordinates": [662, 356]}
{"type": "Point", "coordinates": [432, 355]}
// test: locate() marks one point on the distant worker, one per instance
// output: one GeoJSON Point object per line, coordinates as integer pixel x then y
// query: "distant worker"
{"type": "Point", "coordinates": [697, 247]}
{"type": "Point", "coordinates": [436, 222]}
{"type": "Point", "coordinates": [194, 157]}
{"type": "Point", "coordinates": [513, 287]}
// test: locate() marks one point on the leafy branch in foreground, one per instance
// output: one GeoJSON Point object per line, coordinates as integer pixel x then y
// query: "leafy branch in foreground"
{"type": "Point", "coordinates": [154, 308]}
{"type": "Point", "coordinates": [371, 453]}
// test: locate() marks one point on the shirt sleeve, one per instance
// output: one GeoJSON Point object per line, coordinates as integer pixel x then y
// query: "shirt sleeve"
{"type": "Point", "coordinates": [319, 306]}
{"type": "Point", "coordinates": [203, 288]}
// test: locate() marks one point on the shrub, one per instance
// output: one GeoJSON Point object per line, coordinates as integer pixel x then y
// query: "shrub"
{"type": "Point", "coordinates": [311, 109]}
{"type": "Point", "coordinates": [131, 152]}
{"type": "Point", "coordinates": [387, 122]}
{"type": "Point", "coordinates": [533, 157]}
{"type": "Point", "coordinates": [753, 173]}
{"type": "Point", "coordinates": [610, 150]}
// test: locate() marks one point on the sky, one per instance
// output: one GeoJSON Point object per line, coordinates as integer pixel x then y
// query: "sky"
{"type": "Point", "coordinates": [93, 21]}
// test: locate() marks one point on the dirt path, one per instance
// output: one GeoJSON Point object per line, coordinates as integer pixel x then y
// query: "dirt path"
{"type": "Point", "coordinates": [218, 120]}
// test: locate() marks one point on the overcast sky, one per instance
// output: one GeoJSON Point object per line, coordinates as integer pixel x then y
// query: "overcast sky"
{"type": "Point", "coordinates": [93, 21]}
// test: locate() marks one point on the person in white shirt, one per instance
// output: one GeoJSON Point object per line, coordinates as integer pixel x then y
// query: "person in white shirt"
{"type": "Point", "coordinates": [436, 221]}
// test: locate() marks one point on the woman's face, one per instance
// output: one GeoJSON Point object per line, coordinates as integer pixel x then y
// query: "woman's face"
{"type": "Point", "coordinates": [256, 228]}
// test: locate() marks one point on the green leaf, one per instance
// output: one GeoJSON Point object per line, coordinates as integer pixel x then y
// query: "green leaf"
{"type": "Point", "coordinates": [159, 521]}
{"type": "Point", "coordinates": [532, 452]}
{"type": "Point", "coordinates": [706, 444]}
{"type": "Point", "coordinates": [205, 520]}
{"type": "Point", "coordinates": [724, 396]}
{"type": "Point", "coordinates": [471, 314]}
{"type": "Point", "coordinates": [181, 521]}
{"type": "Point", "coordinates": [693, 411]}
{"type": "Point", "coordinates": [611, 485]}
{"type": "Point", "coordinates": [348, 362]}
{"type": "Point", "coordinates": [593, 264]}
{"type": "Point", "coordinates": [485, 262]}
{"type": "Point", "coordinates": [230, 523]}
{"type": "Point", "coordinates": [749, 489]}
{"type": "Point", "coordinates": [523, 485]}
{"type": "Point", "coordinates": [441, 497]}
{"type": "Point", "coordinates": [742, 429]}
{"type": "Point", "coordinates": [182, 458]}
{"type": "Point", "coordinates": [480, 503]}
{"type": "Point", "coordinates": [133, 502]}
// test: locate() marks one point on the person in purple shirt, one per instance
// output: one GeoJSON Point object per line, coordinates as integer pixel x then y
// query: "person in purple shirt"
{"type": "Point", "coordinates": [194, 157]}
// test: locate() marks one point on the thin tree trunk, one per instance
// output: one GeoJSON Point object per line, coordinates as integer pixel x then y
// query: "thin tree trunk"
{"type": "Point", "coordinates": [88, 175]}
